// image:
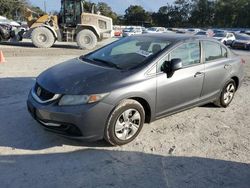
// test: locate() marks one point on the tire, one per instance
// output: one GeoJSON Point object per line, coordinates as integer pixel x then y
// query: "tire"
{"type": "Point", "coordinates": [120, 130]}
{"type": "Point", "coordinates": [42, 37]}
{"type": "Point", "coordinates": [232, 45]}
{"type": "Point", "coordinates": [248, 47]}
{"type": "Point", "coordinates": [227, 94]}
{"type": "Point", "coordinates": [86, 39]}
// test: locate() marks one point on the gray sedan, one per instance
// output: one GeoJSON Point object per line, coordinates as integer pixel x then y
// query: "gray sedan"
{"type": "Point", "coordinates": [111, 92]}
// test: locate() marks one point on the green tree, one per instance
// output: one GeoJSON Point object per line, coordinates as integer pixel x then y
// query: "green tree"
{"type": "Point", "coordinates": [162, 18]}
{"type": "Point", "coordinates": [202, 13]}
{"type": "Point", "coordinates": [12, 9]}
{"type": "Point", "coordinates": [107, 11]}
{"type": "Point", "coordinates": [176, 15]}
{"type": "Point", "coordinates": [136, 15]}
{"type": "Point", "coordinates": [88, 6]}
{"type": "Point", "coordinates": [184, 13]}
{"type": "Point", "coordinates": [232, 13]}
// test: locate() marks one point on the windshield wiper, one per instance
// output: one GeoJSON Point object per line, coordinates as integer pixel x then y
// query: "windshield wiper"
{"type": "Point", "coordinates": [108, 63]}
{"type": "Point", "coordinates": [83, 58]}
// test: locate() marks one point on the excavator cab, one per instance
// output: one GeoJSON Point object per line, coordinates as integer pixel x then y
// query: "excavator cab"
{"type": "Point", "coordinates": [71, 11]}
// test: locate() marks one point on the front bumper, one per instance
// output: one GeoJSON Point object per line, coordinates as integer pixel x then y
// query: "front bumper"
{"type": "Point", "coordinates": [240, 45]}
{"type": "Point", "coordinates": [86, 122]}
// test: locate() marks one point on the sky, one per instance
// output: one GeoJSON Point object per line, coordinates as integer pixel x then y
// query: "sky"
{"type": "Point", "coordinates": [119, 6]}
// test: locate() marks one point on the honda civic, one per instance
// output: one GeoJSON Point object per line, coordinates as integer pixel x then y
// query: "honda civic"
{"type": "Point", "coordinates": [112, 92]}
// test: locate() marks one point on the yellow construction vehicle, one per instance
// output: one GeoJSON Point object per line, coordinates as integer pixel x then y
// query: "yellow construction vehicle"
{"type": "Point", "coordinates": [71, 24]}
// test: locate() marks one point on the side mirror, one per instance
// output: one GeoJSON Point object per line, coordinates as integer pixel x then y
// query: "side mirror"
{"type": "Point", "coordinates": [175, 64]}
{"type": "Point", "coordinates": [170, 67]}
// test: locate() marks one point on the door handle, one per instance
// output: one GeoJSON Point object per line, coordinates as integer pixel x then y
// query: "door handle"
{"type": "Point", "coordinates": [199, 74]}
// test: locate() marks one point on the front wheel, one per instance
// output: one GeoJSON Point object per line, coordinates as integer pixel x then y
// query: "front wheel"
{"type": "Point", "coordinates": [227, 94]}
{"type": "Point", "coordinates": [42, 37]}
{"type": "Point", "coordinates": [86, 39]}
{"type": "Point", "coordinates": [125, 123]}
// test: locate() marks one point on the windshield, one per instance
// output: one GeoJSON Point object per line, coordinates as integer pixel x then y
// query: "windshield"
{"type": "Point", "coordinates": [128, 52]}
{"type": "Point", "coordinates": [220, 35]}
{"type": "Point", "coordinates": [242, 37]}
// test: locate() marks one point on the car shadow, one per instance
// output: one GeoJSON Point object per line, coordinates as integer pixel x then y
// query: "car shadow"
{"type": "Point", "coordinates": [18, 130]}
{"type": "Point", "coordinates": [209, 105]}
{"type": "Point", "coordinates": [105, 168]}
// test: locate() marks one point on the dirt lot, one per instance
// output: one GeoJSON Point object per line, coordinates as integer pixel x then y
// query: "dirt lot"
{"type": "Point", "coordinates": [201, 147]}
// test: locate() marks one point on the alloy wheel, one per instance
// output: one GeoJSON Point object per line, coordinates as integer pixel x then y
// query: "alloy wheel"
{"type": "Point", "coordinates": [229, 93]}
{"type": "Point", "coordinates": [127, 124]}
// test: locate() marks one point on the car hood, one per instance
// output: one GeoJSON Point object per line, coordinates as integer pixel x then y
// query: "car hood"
{"type": "Point", "coordinates": [218, 38]}
{"type": "Point", "coordinates": [78, 77]}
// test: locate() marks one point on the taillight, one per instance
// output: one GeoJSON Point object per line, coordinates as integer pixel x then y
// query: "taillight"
{"type": "Point", "coordinates": [243, 61]}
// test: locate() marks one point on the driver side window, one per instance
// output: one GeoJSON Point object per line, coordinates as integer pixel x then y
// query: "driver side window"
{"type": "Point", "coordinates": [189, 53]}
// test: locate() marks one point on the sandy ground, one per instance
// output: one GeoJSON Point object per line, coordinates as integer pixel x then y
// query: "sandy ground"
{"type": "Point", "coordinates": [202, 147]}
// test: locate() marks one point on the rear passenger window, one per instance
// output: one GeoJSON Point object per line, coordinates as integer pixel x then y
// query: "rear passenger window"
{"type": "Point", "coordinates": [213, 51]}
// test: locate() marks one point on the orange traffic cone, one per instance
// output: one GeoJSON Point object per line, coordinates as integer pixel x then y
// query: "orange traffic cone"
{"type": "Point", "coordinates": [2, 59]}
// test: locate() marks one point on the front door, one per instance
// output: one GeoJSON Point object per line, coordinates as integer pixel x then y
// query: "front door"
{"type": "Point", "coordinates": [185, 86]}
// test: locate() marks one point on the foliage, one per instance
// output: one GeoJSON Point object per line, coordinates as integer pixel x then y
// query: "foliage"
{"type": "Point", "coordinates": [181, 13]}
{"type": "Point", "coordinates": [106, 10]}
{"type": "Point", "coordinates": [194, 13]}
{"type": "Point", "coordinates": [15, 9]}
{"type": "Point", "coordinates": [136, 15]}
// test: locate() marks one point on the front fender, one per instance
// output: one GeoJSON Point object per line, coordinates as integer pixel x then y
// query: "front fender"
{"type": "Point", "coordinates": [51, 29]}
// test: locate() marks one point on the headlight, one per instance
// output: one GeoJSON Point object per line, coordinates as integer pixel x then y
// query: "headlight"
{"type": "Point", "coordinates": [80, 99]}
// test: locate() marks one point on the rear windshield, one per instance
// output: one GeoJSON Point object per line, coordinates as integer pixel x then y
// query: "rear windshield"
{"type": "Point", "coordinates": [128, 52]}
{"type": "Point", "coordinates": [201, 33]}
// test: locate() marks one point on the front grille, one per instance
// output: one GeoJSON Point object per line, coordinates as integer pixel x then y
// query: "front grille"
{"type": "Point", "coordinates": [42, 93]}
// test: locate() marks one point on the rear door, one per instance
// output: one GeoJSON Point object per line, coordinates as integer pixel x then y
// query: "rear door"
{"type": "Point", "coordinates": [217, 68]}
{"type": "Point", "coordinates": [185, 86]}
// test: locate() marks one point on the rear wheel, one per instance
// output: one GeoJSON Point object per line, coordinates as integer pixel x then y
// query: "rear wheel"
{"type": "Point", "coordinates": [248, 47]}
{"type": "Point", "coordinates": [86, 39]}
{"type": "Point", "coordinates": [232, 44]}
{"type": "Point", "coordinates": [227, 94]}
{"type": "Point", "coordinates": [125, 123]}
{"type": "Point", "coordinates": [42, 37]}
